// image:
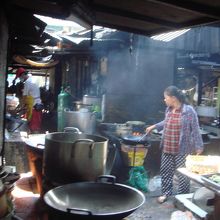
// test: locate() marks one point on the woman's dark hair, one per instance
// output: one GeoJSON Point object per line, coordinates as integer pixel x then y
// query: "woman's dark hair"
{"type": "Point", "coordinates": [176, 92]}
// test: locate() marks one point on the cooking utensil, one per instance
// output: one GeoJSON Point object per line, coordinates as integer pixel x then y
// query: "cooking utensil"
{"type": "Point", "coordinates": [142, 137]}
{"type": "Point", "coordinates": [71, 157]}
{"type": "Point", "coordinates": [133, 140]}
{"type": "Point", "coordinates": [93, 200]}
{"type": "Point", "coordinates": [85, 121]}
{"type": "Point", "coordinates": [78, 105]}
{"type": "Point", "coordinates": [72, 129]}
{"type": "Point", "coordinates": [91, 100]}
{"type": "Point", "coordinates": [134, 149]}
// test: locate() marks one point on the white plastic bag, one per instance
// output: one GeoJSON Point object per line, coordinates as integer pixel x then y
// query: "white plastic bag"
{"type": "Point", "coordinates": [154, 183]}
{"type": "Point", "coordinates": [179, 215]}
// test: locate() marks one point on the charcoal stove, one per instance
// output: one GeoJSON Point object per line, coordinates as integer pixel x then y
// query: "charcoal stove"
{"type": "Point", "coordinates": [129, 151]}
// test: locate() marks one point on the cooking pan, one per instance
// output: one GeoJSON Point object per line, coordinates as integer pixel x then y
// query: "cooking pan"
{"type": "Point", "coordinates": [134, 140]}
{"type": "Point", "coordinates": [93, 200]}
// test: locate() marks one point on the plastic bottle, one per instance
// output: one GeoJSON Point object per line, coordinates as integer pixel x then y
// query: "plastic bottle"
{"type": "Point", "coordinates": [63, 102]}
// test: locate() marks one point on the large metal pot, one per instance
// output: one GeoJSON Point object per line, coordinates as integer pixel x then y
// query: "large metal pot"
{"type": "Point", "coordinates": [77, 105]}
{"type": "Point", "coordinates": [85, 121]}
{"type": "Point", "coordinates": [71, 157]}
{"type": "Point", "coordinates": [91, 100]}
{"type": "Point", "coordinates": [93, 200]}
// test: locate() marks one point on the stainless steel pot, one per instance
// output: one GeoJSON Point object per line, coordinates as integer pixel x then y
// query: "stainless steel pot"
{"type": "Point", "coordinates": [91, 100]}
{"type": "Point", "coordinates": [71, 157]}
{"type": "Point", "coordinates": [93, 200]}
{"type": "Point", "coordinates": [85, 121]}
{"type": "Point", "coordinates": [79, 105]}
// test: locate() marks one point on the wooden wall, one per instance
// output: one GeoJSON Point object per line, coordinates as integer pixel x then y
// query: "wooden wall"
{"type": "Point", "coordinates": [204, 39]}
{"type": "Point", "coordinates": [135, 84]}
{"type": "Point", "coordinates": [138, 72]}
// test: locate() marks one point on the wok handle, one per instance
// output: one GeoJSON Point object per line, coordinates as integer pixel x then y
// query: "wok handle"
{"type": "Point", "coordinates": [108, 179]}
{"type": "Point", "coordinates": [91, 147]}
{"type": "Point", "coordinates": [79, 211]}
{"type": "Point", "coordinates": [72, 130]}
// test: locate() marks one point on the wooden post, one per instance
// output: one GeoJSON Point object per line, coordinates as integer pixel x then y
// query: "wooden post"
{"type": "Point", "coordinates": [218, 98]}
{"type": "Point", "coordinates": [3, 74]}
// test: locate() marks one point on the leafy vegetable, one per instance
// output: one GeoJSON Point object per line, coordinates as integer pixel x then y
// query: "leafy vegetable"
{"type": "Point", "coordinates": [215, 178]}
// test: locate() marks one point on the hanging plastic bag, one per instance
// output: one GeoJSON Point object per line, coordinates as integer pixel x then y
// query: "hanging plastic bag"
{"type": "Point", "coordinates": [138, 178]}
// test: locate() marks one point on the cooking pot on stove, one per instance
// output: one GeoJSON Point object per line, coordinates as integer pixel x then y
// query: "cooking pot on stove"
{"type": "Point", "coordinates": [93, 200]}
{"type": "Point", "coordinates": [71, 157]}
{"type": "Point", "coordinates": [134, 149]}
{"type": "Point", "coordinates": [77, 105]}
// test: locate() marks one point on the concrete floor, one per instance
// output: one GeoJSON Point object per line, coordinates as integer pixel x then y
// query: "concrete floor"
{"type": "Point", "coordinates": [28, 206]}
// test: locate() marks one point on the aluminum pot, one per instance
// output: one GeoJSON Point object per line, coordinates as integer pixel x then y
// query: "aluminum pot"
{"type": "Point", "coordinates": [71, 157]}
{"type": "Point", "coordinates": [85, 121]}
{"type": "Point", "coordinates": [91, 100]}
{"type": "Point", "coordinates": [93, 200]}
{"type": "Point", "coordinates": [79, 105]}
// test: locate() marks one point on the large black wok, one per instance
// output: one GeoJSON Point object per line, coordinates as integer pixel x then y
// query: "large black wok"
{"type": "Point", "coordinates": [93, 200]}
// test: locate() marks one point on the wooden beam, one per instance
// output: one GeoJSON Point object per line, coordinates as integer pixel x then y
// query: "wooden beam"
{"type": "Point", "coordinates": [132, 29]}
{"type": "Point", "coordinates": [42, 7]}
{"type": "Point", "coordinates": [187, 5]}
{"type": "Point", "coordinates": [168, 26]}
{"type": "Point", "coordinates": [133, 15]}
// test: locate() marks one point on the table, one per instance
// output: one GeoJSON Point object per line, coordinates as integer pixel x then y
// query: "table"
{"type": "Point", "coordinates": [197, 178]}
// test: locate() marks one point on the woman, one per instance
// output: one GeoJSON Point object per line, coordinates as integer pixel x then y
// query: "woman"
{"type": "Point", "coordinates": [181, 136]}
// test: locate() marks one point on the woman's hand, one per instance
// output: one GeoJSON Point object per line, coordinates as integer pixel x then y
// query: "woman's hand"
{"type": "Point", "coordinates": [149, 129]}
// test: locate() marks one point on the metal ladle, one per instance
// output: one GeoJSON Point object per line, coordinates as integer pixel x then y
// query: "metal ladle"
{"type": "Point", "coordinates": [143, 137]}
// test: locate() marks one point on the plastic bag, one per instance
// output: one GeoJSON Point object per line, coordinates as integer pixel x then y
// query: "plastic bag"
{"type": "Point", "coordinates": [154, 183]}
{"type": "Point", "coordinates": [179, 215]}
{"type": "Point", "coordinates": [138, 178]}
